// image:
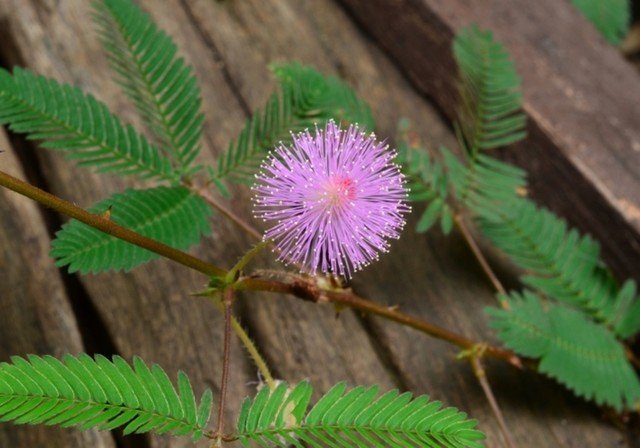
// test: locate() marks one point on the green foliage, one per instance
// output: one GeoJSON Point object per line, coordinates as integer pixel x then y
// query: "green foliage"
{"type": "Point", "coordinates": [426, 179]}
{"type": "Point", "coordinates": [486, 183]}
{"type": "Point", "coordinates": [584, 356]}
{"type": "Point", "coordinates": [490, 116]}
{"type": "Point", "coordinates": [610, 17]}
{"type": "Point", "coordinates": [575, 336]}
{"type": "Point", "coordinates": [80, 391]}
{"type": "Point", "coordinates": [68, 120]}
{"type": "Point", "coordinates": [561, 263]}
{"type": "Point", "coordinates": [354, 418]}
{"type": "Point", "coordinates": [172, 215]}
{"type": "Point", "coordinates": [305, 98]}
{"type": "Point", "coordinates": [572, 340]}
{"type": "Point", "coordinates": [160, 84]}
{"type": "Point", "coordinates": [490, 94]}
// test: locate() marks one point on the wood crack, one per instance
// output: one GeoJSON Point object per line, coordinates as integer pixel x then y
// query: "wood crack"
{"type": "Point", "coordinates": [218, 58]}
{"type": "Point", "coordinates": [93, 331]}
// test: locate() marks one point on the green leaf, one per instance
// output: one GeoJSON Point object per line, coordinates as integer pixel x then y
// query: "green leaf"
{"type": "Point", "coordinates": [68, 120]}
{"type": "Point", "coordinates": [172, 215]}
{"type": "Point", "coordinates": [161, 86]}
{"type": "Point", "coordinates": [430, 216]}
{"type": "Point", "coordinates": [610, 17]}
{"type": "Point", "coordinates": [352, 418]}
{"type": "Point", "coordinates": [427, 180]}
{"type": "Point", "coordinates": [627, 318]}
{"type": "Point", "coordinates": [80, 391]}
{"type": "Point", "coordinates": [446, 221]}
{"type": "Point", "coordinates": [579, 353]}
{"type": "Point", "coordinates": [305, 98]}
{"type": "Point", "coordinates": [491, 100]}
{"type": "Point", "coordinates": [560, 262]}
{"type": "Point", "coordinates": [575, 338]}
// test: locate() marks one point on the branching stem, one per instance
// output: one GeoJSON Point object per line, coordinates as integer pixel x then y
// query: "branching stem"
{"type": "Point", "coordinates": [481, 375]}
{"type": "Point", "coordinates": [306, 289]}
{"type": "Point", "coordinates": [298, 287]}
{"type": "Point", "coordinates": [255, 355]}
{"type": "Point", "coordinates": [484, 264]}
{"type": "Point", "coordinates": [246, 258]}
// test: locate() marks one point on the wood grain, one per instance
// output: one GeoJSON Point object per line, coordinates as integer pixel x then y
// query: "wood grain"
{"type": "Point", "coordinates": [148, 312]}
{"type": "Point", "coordinates": [581, 96]}
{"type": "Point", "coordinates": [35, 313]}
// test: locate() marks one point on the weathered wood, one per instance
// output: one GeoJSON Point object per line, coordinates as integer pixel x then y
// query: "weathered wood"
{"type": "Point", "coordinates": [319, 33]}
{"type": "Point", "coordinates": [581, 96]}
{"type": "Point", "coordinates": [35, 312]}
{"type": "Point", "coordinates": [148, 312]}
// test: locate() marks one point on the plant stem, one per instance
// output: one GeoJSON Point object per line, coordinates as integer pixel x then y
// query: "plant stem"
{"type": "Point", "coordinates": [248, 228]}
{"type": "Point", "coordinates": [254, 353]}
{"type": "Point", "coordinates": [107, 226]}
{"type": "Point", "coordinates": [227, 300]}
{"type": "Point", "coordinates": [484, 264]}
{"type": "Point", "coordinates": [481, 375]}
{"type": "Point", "coordinates": [300, 287]}
{"type": "Point", "coordinates": [307, 290]}
{"type": "Point", "coordinates": [246, 258]}
{"type": "Point", "coordinates": [251, 348]}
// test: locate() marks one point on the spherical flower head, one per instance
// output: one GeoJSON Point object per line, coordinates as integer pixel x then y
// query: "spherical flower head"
{"type": "Point", "coordinates": [334, 199]}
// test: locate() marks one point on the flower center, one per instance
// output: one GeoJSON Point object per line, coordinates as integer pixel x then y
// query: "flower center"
{"type": "Point", "coordinates": [339, 190]}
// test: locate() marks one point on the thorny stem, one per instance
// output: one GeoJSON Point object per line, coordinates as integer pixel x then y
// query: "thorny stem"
{"type": "Point", "coordinates": [227, 300]}
{"type": "Point", "coordinates": [307, 289]}
{"type": "Point", "coordinates": [304, 289]}
{"type": "Point", "coordinates": [475, 355]}
{"type": "Point", "coordinates": [484, 264]}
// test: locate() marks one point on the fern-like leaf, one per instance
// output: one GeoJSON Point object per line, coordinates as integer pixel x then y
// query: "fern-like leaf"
{"type": "Point", "coordinates": [68, 120]}
{"type": "Point", "coordinates": [560, 262]}
{"type": "Point", "coordinates": [98, 393]}
{"type": "Point", "coordinates": [160, 84]}
{"type": "Point", "coordinates": [172, 215]}
{"type": "Point", "coordinates": [426, 179]}
{"type": "Point", "coordinates": [352, 418]}
{"type": "Point", "coordinates": [577, 352]}
{"type": "Point", "coordinates": [610, 17]}
{"type": "Point", "coordinates": [305, 98]}
{"type": "Point", "coordinates": [490, 114]}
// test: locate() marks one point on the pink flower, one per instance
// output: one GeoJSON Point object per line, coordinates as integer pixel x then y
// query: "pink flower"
{"type": "Point", "coordinates": [334, 198]}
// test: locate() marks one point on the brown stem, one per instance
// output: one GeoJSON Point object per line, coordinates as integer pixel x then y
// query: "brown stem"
{"type": "Point", "coordinates": [633, 359]}
{"type": "Point", "coordinates": [481, 375]}
{"type": "Point", "coordinates": [307, 290]}
{"type": "Point", "coordinates": [105, 225]}
{"type": "Point", "coordinates": [248, 228]}
{"type": "Point", "coordinates": [484, 264]}
{"type": "Point", "coordinates": [227, 300]}
{"type": "Point", "coordinates": [298, 287]}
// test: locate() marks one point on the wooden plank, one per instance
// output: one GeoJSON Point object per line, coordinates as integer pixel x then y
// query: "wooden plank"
{"type": "Point", "coordinates": [230, 44]}
{"type": "Point", "coordinates": [35, 312]}
{"type": "Point", "coordinates": [148, 312]}
{"type": "Point", "coordinates": [320, 33]}
{"type": "Point", "coordinates": [581, 96]}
